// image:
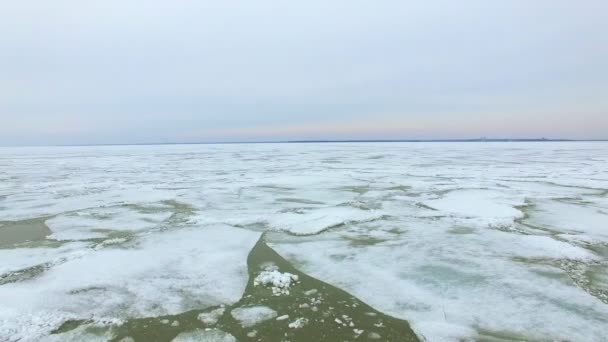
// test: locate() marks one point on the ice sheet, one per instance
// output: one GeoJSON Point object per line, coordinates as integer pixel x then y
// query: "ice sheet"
{"type": "Point", "coordinates": [461, 239]}
{"type": "Point", "coordinates": [164, 273]}
{"type": "Point", "coordinates": [448, 289]}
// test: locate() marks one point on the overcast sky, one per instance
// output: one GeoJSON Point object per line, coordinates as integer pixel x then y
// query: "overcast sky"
{"type": "Point", "coordinates": [119, 71]}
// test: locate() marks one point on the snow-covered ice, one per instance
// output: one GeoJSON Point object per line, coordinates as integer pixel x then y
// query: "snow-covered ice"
{"type": "Point", "coordinates": [463, 240]}
{"type": "Point", "coordinates": [166, 273]}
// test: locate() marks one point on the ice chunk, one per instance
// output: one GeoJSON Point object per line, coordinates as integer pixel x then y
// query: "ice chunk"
{"type": "Point", "coordinates": [210, 318]}
{"type": "Point", "coordinates": [277, 281]}
{"type": "Point", "coordinates": [298, 323]}
{"type": "Point", "coordinates": [252, 315]}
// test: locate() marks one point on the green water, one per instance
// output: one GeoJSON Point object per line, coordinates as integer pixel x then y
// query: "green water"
{"type": "Point", "coordinates": [335, 316]}
{"type": "Point", "coordinates": [20, 232]}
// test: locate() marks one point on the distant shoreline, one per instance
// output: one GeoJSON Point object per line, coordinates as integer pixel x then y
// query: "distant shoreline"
{"type": "Point", "coordinates": [328, 141]}
{"type": "Point", "coordinates": [349, 141]}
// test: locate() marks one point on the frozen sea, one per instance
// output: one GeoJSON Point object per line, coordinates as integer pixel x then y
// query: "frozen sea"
{"type": "Point", "coordinates": [465, 241]}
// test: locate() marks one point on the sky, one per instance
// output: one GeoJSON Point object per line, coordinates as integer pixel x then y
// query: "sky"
{"type": "Point", "coordinates": [121, 71]}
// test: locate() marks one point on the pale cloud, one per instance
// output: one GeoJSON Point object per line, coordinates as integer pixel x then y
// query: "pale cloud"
{"type": "Point", "coordinates": [120, 72]}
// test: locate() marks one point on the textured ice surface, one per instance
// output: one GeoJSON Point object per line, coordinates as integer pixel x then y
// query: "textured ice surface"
{"type": "Point", "coordinates": [572, 217]}
{"type": "Point", "coordinates": [486, 206]}
{"type": "Point", "coordinates": [464, 240]}
{"type": "Point", "coordinates": [21, 259]}
{"type": "Point", "coordinates": [250, 316]}
{"type": "Point", "coordinates": [164, 273]}
{"type": "Point", "coordinates": [316, 220]}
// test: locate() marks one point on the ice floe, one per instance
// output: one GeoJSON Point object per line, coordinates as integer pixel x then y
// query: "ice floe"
{"type": "Point", "coordinates": [207, 266]}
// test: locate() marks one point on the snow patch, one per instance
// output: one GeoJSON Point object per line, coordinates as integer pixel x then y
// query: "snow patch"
{"type": "Point", "coordinates": [277, 281]}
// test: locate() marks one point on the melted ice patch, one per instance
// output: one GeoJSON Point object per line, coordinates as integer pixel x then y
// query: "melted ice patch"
{"type": "Point", "coordinates": [211, 318]}
{"type": "Point", "coordinates": [200, 335]}
{"type": "Point", "coordinates": [90, 223]}
{"type": "Point", "coordinates": [250, 316]}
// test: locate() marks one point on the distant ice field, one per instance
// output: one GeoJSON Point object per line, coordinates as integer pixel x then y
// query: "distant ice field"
{"type": "Point", "coordinates": [466, 241]}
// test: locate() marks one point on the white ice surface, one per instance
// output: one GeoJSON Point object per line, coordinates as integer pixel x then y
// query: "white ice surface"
{"type": "Point", "coordinates": [165, 273]}
{"type": "Point", "coordinates": [571, 218]}
{"type": "Point", "coordinates": [447, 291]}
{"type": "Point", "coordinates": [19, 259]}
{"type": "Point", "coordinates": [317, 220]}
{"type": "Point", "coordinates": [457, 238]}
{"type": "Point", "coordinates": [279, 282]}
{"type": "Point", "coordinates": [488, 206]}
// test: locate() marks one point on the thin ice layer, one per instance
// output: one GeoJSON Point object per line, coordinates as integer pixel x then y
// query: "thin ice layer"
{"type": "Point", "coordinates": [200, 335]}
{"type": "Point", "coordinates": [94, 223]}
{"type": "Point", "coordinates": [315, 221]}
{"type": "Point", "coordinates": [252, 315]}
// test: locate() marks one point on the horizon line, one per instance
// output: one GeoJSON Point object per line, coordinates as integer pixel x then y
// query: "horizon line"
{"type": "Point", "coordinates": [312, 141]}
